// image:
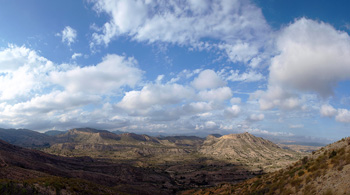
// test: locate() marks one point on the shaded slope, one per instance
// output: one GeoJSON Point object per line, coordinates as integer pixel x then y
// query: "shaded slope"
{"type": "Point", "coordinates": [21, 164]}
{"type": "Point", "coordinates": [26, 138]}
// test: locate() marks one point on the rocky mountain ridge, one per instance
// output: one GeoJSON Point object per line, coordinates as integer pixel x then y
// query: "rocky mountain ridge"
{"type": "Point", "coordinates": [182, 161]}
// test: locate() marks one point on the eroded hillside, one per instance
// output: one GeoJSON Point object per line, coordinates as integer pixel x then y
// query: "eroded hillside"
{"type": "Point", "coordinates": [326, 171]}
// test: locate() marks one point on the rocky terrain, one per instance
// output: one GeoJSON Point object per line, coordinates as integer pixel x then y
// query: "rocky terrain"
{"type": "Point", "coordinates": [325, 171]}
{"type": "Point", "coordinates": [249, 150]}
{"type": "Point", "coordinates": [37, 171]}
{"type": "Point", "coordinates": [155, 164]}
{"type": "Point", "coordinates": [241, 149]}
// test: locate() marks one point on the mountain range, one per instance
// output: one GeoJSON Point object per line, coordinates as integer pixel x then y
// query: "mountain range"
{"type": "Point", "coordinates": [132, 163]}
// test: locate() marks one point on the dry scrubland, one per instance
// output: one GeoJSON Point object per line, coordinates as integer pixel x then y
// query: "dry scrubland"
{"type": "Point", "coordinates": [90, 161]}
{"type": "Point", "coordinates": [326, 171]}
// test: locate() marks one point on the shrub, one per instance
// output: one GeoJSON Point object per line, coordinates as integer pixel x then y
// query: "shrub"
{"type": "Point", "coordinates": [332, 154]}
{"type": "Point", "coordinates": [300, 173]}
{"type": "Point", "coordinates": [304, 160]}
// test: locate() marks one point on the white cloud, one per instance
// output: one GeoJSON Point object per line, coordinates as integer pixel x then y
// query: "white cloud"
{"type": "Point", "coordinates": [155, 94]}
{"type": "Point", "coordinates": [276, 96]}
{"type": "Point", "coordinates": [208, 125]}
{"type": "Point", "coordinates": [232, 111]}
{"type": "Point", "coordinates": [256, 117]}
{"type": "Point", "coordinates": [22, 71]}
{"type": "Point", "coordinates": [314, 57]}
{"type": "Point", "coordinates": [235, 100]}
{"type": "Point", "coordinates": [296, 126]}
{"type": "Point", "coordinates": [200, 107]}
{"type": "Point", "coordinates": [55, 101]}
{"type": "Point", "coordinates": [239, 24]}
{"type": "Point", "coordinates": [250, 76]}
{"type": "Point", "coordinates": [76, 55]}
{"type": "Point", "coordinates": [219, 94]}
{"type": "Point", "coordinates": [208, 79]}
{"type": "Point", "coordinates": [68, 35]}
{"type": "Point", "coordinates": [112, 73]}
{"type": "Point", "coordinates": [328, 110]}
{"type": "Point", "coordinates": [343, 115]}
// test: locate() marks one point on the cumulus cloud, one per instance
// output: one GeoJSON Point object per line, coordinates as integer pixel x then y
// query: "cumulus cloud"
{"type": "Point", "coordinates": [32, 87]}
{"type": "Point", "coordinates": [52, 102]}
{"type": "Point", "coordinates": [112, 73]}
{"type": "Point", "coordinates": [276, 96]}
{"type": "Point", "coordinates": [235, 100]}
{"type": "Point", "coordinates": [208, 79]}
{"type": "Point", "coordinates": [155, 94]}
{"type": "Point", "coordinates": [343, 115]}
{"type": "Point", "coordinates": [239, 24]}
{"type": "Point", "coordinates": [208, 125]}
{"type": "Point", "coordinates": [232, 111]}
{"type": "Point", "coordinates": [68, 35]}
{"type": "Point", "coordinates": [219, 94]}
{"type": "Point", "coordinates": [22, 71]}
{"type": "Point", "coordinates": [328, 110]}
{"type": "Point", "coordinates": [313, 57]}
{"type": "Point", "coordinates": [200, 107]}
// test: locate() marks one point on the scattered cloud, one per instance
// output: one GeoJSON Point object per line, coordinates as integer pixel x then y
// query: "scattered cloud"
{"type": "Point", "coordinates": [256, 117]}
{"type": "Point", "coordinates": [235, 100]}
{"type": "Point", "coordinates": [208, 79]}
{"type": "Point", "coordinates": [232, 111]}
{"type": "Point", "coordinates": [240, 25]}
{"type": "Point", "coordinates": [343, 116]}
{"type": "Point", "coordinates": [68, 35]}
{"type": "Point", "coordinates": [153, 95]}
{"type": "Point", "coordinates": [328, 110]}
{"type": "Point", "coordinates": [250, 76]}
{"type": "Point", "coordinates": [112, 73]}
{"type": "Point", "coordinates": [76, 55]}
{"type": "Point", "coordinates": [296, 126]}
{"type": "Point", "coordinates": [219, 94]}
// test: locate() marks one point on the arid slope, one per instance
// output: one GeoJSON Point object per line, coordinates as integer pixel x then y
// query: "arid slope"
{"type": "Point", "coordinates": [249, 150]}
{"type": "Point", "coordinates": [326, 171]}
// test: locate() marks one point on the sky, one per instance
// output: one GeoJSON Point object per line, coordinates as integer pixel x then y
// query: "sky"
{"type": "Point", "coordinates": [271, 68]}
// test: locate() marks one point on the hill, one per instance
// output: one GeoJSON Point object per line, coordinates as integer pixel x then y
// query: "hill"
{"type": "Point", "coordinates": [326, 171]}
{"type": "Point", "coordinates": [26, 138]}
{"type": "Point", "coordinates": [37, 172]}
{"type": "Point", "coordinates": [54, 132]}
{"type": "Point", "coordinates": [249, 150]}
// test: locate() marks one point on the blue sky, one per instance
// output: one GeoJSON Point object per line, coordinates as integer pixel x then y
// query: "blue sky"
{"type": "Point", "coordinates": [272, 68]}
